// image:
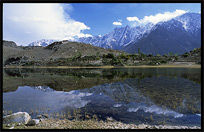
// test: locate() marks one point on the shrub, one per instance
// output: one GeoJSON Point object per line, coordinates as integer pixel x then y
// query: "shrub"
{"type": "Point", "coordinates": [185, 55]}
{"type": "Point", "coordinates": [122, 56]}
{"type": "Point", "coordinates": [116, 61]}
{"type": "Point", "coordinates": [163, 61]}
{"type": "Point", "coordinates": [110, 55]}
{"type": "Point", "coordinates": [176, 58]}
{"type": "Point", "coordinates": [158, 55]}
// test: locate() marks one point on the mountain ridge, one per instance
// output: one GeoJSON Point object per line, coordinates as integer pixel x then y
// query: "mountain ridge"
{"type": "Point", "coordinates": [150, 38]}
{"type": "Point", "coordinates": [190, 22]}
{"type": "Point", "coordinates": [171, 36]}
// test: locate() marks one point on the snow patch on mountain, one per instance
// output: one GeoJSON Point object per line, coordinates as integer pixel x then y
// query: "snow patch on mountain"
{"type": "Point", "coordinates": [191, 22]}
{"type": "Point", "coordinates": [43, 42]}
{"type": "Point", "coordinates": [119, 37]}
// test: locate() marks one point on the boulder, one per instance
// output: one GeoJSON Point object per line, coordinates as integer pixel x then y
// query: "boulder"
{"type": "Point", "coordinates": [33, 122]}
{"type": "Point", "coordinates": [22, 117]}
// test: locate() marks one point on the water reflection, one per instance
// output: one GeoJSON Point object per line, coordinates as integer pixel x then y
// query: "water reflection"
{"type": "Point", "coordinates": [155, 109]}
{"type": "Point", "coordinates": [138, 95]}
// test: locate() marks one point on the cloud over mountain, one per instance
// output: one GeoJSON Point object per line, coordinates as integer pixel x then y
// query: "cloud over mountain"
{"type": "Point", "coordinates": [36, 21]}
{"type": "Point", "coordinates": [156, 18]}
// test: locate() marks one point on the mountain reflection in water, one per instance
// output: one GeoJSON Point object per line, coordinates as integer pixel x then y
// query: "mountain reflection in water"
{"type": "Point", "coordinates": [133, 95]}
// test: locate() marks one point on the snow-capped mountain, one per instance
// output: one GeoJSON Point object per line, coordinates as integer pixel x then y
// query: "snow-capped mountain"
{"type": "Point", "coordinates": [178, 35]}
{"type": "Point", "coordinates": [43, 42]}
{"type": "Point", "coordinates": [186, 27]}
{"type": "Point", "coordinates": [119, 37]}
{"type": "Point", "coordinates": [191, 22]}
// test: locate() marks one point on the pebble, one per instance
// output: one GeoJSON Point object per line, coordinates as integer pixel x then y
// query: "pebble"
{"type": "Point", "coordinates": [39, 116]}
{"type": "Point", "coordinates": [33, 122]}
{"type": "Point", "coordinates": [109, 119]}
{"type": "Point", "coordinates": [18, 124]}
{"type": "Point", "coordinates": [45, 115]}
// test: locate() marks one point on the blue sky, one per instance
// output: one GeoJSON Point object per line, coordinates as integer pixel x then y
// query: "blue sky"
{"type": "Point", "coordinates": [25, 23]}
{"type": "Point", "coordinates": [101, 16]}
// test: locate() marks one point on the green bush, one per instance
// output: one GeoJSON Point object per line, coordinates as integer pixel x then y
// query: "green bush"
{"type": "Point", "coordinates": [163, 61]}
{"type": "Point", "coordinates": [110, 55]}
{"type": "Point", "coordinates": [116, 61]}
{"type": "Point", "coordinates": [122, 56]}
{"type": "Point", "coordinates": [185, 55]}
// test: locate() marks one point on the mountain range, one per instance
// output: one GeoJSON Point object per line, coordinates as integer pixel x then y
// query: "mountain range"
{"type": "Point", "coordinates": [178, 35]}
{"type": "Point", "coordinates": [43, 42]}
{"type": "Point", "coordinates": [119, 37]}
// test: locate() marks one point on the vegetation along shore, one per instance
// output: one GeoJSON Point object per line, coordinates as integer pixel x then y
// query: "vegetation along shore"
{"type": "Point", "coordinates": [74, 55]}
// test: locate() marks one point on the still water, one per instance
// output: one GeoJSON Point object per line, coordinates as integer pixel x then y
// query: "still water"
{"type": "Point", "coordinates": [130, 95]}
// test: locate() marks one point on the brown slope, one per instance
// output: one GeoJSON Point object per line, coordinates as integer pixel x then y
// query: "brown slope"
{"type": "Point", "coordinates": [56, 50]}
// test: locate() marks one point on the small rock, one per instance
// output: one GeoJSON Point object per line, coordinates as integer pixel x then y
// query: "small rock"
{"type": "Point", "coordinates": [156, 127]}
{"type": "Point", "coordinates": [8, 125]}
{"type": "Point", "coordinates": [18, 124]}
{"type": "Point", "coordinates": [194, 127]}
{"type": "Point", "coordinates": [39, 116]}
{"type": "Point", "coordinates": [33, 122]}
{"type": "Point", "coordinates": [109, 119]}
{"type": "Point", "coordinates": [45, 115]}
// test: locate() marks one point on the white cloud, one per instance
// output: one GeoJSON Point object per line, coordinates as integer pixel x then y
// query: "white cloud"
{"type": "Point", "coordinates": [158, 17]}
{"type": "Point", "coordinates": [133, 19]}
{"type": "Point", "coordinates": [24, 23]}
{"type": "Point", "coordinates": [118, 23]}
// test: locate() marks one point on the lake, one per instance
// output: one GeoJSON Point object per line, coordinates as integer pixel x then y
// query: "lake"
{"type": "Point", "coordinates": [131, 95]}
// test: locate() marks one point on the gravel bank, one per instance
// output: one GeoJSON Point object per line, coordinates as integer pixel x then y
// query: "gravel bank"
{"type": "Point", "coordinates": [93, 124]}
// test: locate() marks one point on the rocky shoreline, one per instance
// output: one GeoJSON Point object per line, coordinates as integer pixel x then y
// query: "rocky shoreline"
{"type": "Point", "coordinates": [24, 121]}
